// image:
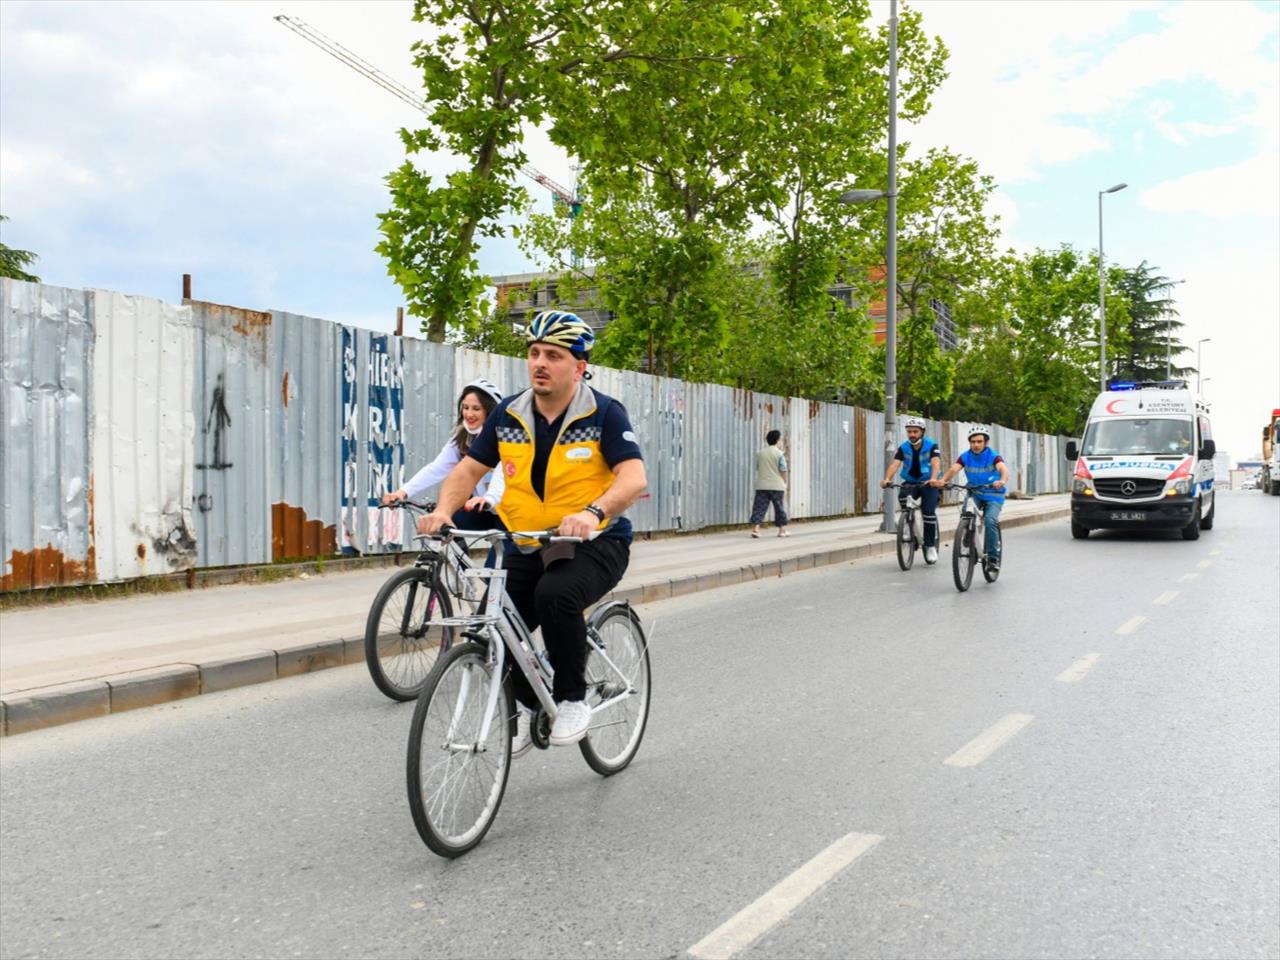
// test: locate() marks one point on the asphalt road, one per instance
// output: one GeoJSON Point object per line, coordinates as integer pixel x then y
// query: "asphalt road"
{"type": "Point", "coordinates": [1133, 809]}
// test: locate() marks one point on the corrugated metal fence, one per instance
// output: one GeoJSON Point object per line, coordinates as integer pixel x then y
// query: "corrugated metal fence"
{"type": "Point", "coordinates": [140, 437]}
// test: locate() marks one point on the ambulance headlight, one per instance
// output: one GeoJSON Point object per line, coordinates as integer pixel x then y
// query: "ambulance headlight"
{"type": "Point", "coordinates": [1081, 486]}
{"type": "Point", "coordinates": [1179, 488]}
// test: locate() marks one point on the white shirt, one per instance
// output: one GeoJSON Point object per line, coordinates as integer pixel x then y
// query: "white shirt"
{"type": "Point", "coordinates": [490, 487]}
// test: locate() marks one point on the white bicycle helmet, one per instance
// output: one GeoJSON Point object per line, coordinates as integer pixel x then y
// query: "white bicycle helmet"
{"type": "Point", "coordinates": [480, 383]}
{"type": "Point", "coordinates": [980, 428]}
{"type": "Point", "coordinates": [917, 422]}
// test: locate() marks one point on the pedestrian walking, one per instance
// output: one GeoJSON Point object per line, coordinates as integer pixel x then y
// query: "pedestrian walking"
{"type": "Point", "coordinates": [771, 484]}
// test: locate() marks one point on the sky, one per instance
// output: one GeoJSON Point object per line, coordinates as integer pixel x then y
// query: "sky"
{"type": "Point", "coordinates": [141, 141]}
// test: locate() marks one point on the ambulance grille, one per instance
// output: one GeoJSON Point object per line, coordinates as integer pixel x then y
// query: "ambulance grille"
{"type": "Point", "coordinates": [1116, 487]}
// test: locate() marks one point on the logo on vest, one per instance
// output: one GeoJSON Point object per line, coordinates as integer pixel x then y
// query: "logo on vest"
{"type": "Point", "coordinates": [509, 468]}
{"type": "Point", "coordinates": [578, 453]}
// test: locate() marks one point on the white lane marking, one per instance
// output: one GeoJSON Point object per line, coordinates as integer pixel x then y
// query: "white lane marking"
{"type": "Point", "coordinates": [1130, 625]}
{"type": "Point", "coordinates": [1204, 564]}
{"type": "Point", "coordinates": [1214, 552]}
{"type": "Point", "coordinates": [1187, 576]}
{"type": "Point", "coordinates": [987, 742]}
{"type": "Point", "coordinates": [1078, 669]}
{"type": "Point", "coordinates": [1165, 598]}
{"type": "Point", "coordinates": [755, 920]}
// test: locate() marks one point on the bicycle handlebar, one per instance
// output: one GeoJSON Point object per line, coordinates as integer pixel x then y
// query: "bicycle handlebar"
{"type": "Point", "coordinates": [542, 536]}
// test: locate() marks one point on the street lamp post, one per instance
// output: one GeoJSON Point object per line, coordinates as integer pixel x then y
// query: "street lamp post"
{"type": "Point", "coordinates": [890, 266]}
{"type": "Point", "coordinates": [1200, 343]}
{"type": "Point", "coordinates": [1202, 383]}
{"type": "Point", "coordinates": [1102, 294]}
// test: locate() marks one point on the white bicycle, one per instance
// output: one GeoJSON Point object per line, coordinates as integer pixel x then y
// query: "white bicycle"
{"type": "Point", "coordinates": [910, 530]}
{"type": "Point", "coordinates": [465, 718]}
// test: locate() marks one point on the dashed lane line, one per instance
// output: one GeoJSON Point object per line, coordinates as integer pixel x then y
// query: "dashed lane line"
{"type": "Point", "coordinates": [1130, 626]}
{"type": "Point", "coordinates": [1215, 551]}
{"type": "Point", "coordinates": [1187, 577]}
{"type": "Point", "coordinates": [755, 920]}
{"type": "Point", "coordinates": [1076, 672]}
{"type": "Point", "coordinates": [989, 741]}
{"type": "Point", "coordinates": [1165, 598]}
{"type": "Point", "coordinates": [1204, 564]}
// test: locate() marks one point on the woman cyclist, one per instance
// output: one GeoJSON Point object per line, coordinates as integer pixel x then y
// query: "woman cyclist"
{"type": "Point", "coordinates": [475, 403]}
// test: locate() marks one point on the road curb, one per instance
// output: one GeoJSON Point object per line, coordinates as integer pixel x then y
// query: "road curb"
{"type": "Point", "coordinates": [43, 707]}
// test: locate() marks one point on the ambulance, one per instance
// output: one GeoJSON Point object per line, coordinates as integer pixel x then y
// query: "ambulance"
{"type": "Point", "coordinates": [1146, 460]}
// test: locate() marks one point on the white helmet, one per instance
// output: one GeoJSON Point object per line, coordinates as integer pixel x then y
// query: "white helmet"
{"type": "Point", "coordinates": [980, 428]}
{"type": "Point", "coordinates": [917, 422]}
{"type": "Point", "coordinates": [480, 383]}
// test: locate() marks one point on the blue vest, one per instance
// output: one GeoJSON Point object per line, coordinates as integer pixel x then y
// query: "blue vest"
{"type": "Point", "coordinates": [927, 448]}
{"type": "Point", "coordinates": [981, 469]}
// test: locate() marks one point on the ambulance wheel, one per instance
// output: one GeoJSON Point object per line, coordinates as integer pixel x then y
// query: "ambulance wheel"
{"type": "Point", "coordinates": [1079, 531]}
{"type": "Point", "coordinates": [1192, 530]}
{"type": "Point", "coordinates": [1206, 523]}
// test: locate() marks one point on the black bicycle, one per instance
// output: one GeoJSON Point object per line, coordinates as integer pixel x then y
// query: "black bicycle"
{"type": "Point", "coordinates": [404, 636]}
{"type": "Point", "coordinates": [965, 553]}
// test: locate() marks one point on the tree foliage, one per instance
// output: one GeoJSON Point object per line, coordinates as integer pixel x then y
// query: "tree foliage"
{"type": "Point", "coordinates": [1152, 326]}
{"type": "Point", "coordinates": [14, 263]}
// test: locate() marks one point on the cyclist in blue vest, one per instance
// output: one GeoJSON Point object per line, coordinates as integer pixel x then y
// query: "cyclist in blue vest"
{"type": "Point", "coordinates": [918, 462]}
{"type": "Point", "coordinates": [982, 466]}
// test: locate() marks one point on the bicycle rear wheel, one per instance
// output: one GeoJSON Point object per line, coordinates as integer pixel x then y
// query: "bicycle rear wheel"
{"type": "Point", "coordinates": [963, 556]}
{"type": "Point", "coordinates": [906, 541]}
{"type": "Point", "coordinates": [400, 647]}
{"type": "Point", "coordinates": [993, 574]}
{"type": "Point", "coordinates": [455, 781]}
{"type": "Point", "coordinates": [615, 732]}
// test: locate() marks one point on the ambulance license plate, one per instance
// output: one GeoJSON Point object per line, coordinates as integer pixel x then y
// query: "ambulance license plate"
{"type": "Point", "coordinates": [1130, 515]}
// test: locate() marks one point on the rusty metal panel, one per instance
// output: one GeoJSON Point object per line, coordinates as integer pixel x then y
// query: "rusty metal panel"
{"type": "Point", "coordinates": [46, 369]}
{"type": "Point", "coordinates": [231, 404]}
{"type": "Point", "coordinates": [142, 437]}
{"type": "Point", "coordinates": [305, 458]}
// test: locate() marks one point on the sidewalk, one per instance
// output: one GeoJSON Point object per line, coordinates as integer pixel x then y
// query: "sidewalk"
{"type": "Point", "coordinates": [80, 660]}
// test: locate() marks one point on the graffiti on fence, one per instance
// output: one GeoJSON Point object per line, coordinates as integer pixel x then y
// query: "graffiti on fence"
{"type": "Point", "coordinates": [372, 465]}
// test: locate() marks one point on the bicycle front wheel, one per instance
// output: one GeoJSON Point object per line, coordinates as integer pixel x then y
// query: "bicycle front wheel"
{"type": "Point", "coordinates": [963, 556]}
{"type": "Point", "coordinates": [456, 780]}
{"type": "Point", "coordinates": [616, 731]}
{"type": "Point", "coordinates": [400, 644]}
{"type": "Point", "coordinates": [906, 542]}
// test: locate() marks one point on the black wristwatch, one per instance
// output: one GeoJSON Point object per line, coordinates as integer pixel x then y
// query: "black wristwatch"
{"type": "Point", "coordinates": [595, 511]}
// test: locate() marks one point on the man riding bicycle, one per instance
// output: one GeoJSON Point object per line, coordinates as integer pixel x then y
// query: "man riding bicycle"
{"type": "Point", "coordinates": [983, 467]}
{"type": "Point", "coordinates": [921, 462]}
{"type": "Point", "coordinates": [571, 462]}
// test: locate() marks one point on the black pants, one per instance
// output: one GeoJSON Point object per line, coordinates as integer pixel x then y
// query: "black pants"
{"type": "Point", "coordinates": [761, 505]}
{"type": "Point", "coordinates": [555, 598]}
{"type": "Point", "coordinates": [928, 507]}
{"type": "Point", "coordinates": [465, 519]}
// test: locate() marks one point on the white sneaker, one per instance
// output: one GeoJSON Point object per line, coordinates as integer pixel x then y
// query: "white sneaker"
{"type": "Point", "coordinates": [572, 719]}
{"type": "Point", "coordinates": [930, 554]}
{"type": "Point", "coordinates": [522, 742]}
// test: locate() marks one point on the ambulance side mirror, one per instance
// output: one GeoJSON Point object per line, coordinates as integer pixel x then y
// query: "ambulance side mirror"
{"type": "Point", "coordinates": [1207, 450]}
{"type": "Point", "coordinates": [1072, 452]}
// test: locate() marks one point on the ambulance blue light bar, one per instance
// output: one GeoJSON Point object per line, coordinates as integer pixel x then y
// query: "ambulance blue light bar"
{"type": "Point", "coordinates": [1118, 385]}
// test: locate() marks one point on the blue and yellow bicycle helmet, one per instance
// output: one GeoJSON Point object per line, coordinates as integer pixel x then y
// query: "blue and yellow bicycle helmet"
{"type": "Point", "coordinates": [562, 329]}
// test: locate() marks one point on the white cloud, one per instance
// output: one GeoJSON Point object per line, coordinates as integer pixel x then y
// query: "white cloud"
{"type": "Point", "coordinates": [1248, 188]}
{"type": "Point", "coordinates": [1023, 75]}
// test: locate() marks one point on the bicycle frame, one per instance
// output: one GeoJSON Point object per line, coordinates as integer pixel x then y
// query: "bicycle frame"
{"type": "Point", "coordinates": [502, 621]}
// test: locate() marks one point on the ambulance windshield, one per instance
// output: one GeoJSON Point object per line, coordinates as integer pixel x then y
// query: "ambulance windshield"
{"type": "Point", "coordinates": [1129, 438]}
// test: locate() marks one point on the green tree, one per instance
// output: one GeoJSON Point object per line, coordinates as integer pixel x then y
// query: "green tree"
{"type": "Point", "coordinates": [490, 68]}
{"type": "Point", "coordinates": [1031, 353]}
{"type": "Point", "coordinates": [1152, 325]}
{"type": "Point", "coordinates": [13, 263]}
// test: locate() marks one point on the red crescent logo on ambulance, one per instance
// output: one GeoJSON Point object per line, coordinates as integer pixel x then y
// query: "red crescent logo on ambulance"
{"type": "Point", "coordinates": [1111, 407]}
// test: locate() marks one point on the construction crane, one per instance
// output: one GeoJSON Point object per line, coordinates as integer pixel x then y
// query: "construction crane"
{"type": "Point", "coordinates": [566, 201]}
